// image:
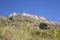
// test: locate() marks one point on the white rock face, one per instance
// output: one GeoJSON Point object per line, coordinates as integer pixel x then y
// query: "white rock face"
{"type": "Point", "coordinates": [25, 14]}
{"type": "Point", "coordinates": [14, 14]}
{"type": "Point", "coordinates": [47, 22]}
{"type": "Point", "coordinates": [32, 16]}
{"type": "Point", "coordinates": [43, 18]}
{"type": "Point", "coordinates": [52, 22]}
{"type": "Point", "coordinates": [36, 17]}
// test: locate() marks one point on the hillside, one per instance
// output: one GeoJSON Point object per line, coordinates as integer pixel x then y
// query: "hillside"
{"type": "Point", "coordinates": [23, 26]}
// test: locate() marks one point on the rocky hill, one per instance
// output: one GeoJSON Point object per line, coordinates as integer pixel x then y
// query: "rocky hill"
{"type": "Point", "coordinates": [15, 19]}
{"type": "Point", "coordinates": [23, 26]}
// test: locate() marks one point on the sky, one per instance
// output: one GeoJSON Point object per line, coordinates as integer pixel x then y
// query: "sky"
{"type": "Point", "coordinates": [47, 8]}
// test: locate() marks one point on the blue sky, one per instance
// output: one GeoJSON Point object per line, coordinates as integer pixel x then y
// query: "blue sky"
{"type": "Point", "coordinates": [48, 8]}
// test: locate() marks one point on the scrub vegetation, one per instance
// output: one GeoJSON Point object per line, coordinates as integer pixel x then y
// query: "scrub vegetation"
{"type": "Point", "coordinates": [27, 29]}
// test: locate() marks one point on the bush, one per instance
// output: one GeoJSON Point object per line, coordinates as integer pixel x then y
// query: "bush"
{"type": "Point", "coordinates": [10, 18]}
{"type": "Point", "coordinates": [43, 26]}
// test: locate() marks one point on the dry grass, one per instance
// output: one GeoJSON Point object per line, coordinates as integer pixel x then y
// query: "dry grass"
{"type": "Point", "coordinates": [26, 32]}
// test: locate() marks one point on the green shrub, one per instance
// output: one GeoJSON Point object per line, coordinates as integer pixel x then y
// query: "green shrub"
{"type": "Point", "coordinates": [43, 26]}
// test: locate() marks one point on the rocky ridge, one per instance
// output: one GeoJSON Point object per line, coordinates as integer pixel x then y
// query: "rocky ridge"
{"type": "Point", "coordinates": [17, 18]}
{"type": "Point", "coordinates": [41, 18]}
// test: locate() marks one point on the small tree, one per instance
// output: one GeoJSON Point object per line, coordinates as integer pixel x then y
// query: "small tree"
{"type": "Point", "coordinates": [43, 26]}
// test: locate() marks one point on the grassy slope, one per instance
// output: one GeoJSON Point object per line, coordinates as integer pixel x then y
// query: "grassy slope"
{"type": "Point", "coordinates": [26, 31]}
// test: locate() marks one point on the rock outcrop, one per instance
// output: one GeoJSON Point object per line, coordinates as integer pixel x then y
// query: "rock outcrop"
{"type": "Point", "coordinates": [17, 18]}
